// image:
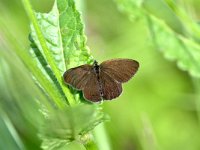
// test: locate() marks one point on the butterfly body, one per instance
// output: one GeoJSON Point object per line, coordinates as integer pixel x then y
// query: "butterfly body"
{"type": "Point", "coordinates": [101, 82]}
{"type": "Point", "coordinates": [96, 69]}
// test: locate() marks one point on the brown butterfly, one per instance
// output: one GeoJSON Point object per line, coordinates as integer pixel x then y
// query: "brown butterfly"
{"type": "Point", "coordinates": [101, 82]}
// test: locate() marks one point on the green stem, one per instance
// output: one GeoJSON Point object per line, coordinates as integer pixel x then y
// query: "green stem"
{"type": "Point", "coordinates": [101, 137]}
{"type": "Point", "coordinates": [49, 58]}
{"type": "Point", "coordinates": [196, 83]}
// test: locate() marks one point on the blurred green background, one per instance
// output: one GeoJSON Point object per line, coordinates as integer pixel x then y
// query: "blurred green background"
{"type": "Point", "coordinates": [158, 108]}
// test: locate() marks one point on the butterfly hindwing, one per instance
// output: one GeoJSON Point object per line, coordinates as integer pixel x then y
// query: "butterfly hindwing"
{"type": "Point", "coordinates": [78, 77]}
{"type": "Point", "coordinates": [120, 70]}
{"type": "Point", "coordinates": [92, 91]}
{"type": "Point", "coordinates": [110, 88]}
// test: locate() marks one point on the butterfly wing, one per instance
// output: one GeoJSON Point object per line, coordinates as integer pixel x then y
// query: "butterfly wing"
{"type": "Point", "coordinates": [110, 88]}
{"type": "Point", "coordinates": [92, 91]}
{"type": "Point", "coordinates": [78, 77]}
{"type": "Point", "coordinates": [120, 70]}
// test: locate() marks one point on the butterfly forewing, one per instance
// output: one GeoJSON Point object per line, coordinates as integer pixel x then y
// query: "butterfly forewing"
{"type": "Point", "coordinates": [92, 89]}
{"type": "Point", "coordinates": [78, 77]}
{"type": "Point", "coordinates": [120, 70]}
{"type": "Point", "coordinates": [110, 88]}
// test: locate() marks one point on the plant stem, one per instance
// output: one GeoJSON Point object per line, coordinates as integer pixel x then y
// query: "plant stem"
{"type": "Point", "coordinates": [196, 83]}
{"type": "Point", "coordinates": [101, 137]}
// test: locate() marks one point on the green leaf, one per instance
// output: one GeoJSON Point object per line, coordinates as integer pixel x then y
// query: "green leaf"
{"type": "Point", "coordinates": [73, 39]}
{"type": "Point", "coordinates": [172, 31]}
{"type": "Point", "coordinates": [10, 136]}
{"type": "Point", "coordinates": [175, 47]}
{"type": "Point", "coordinates": [31, 65]}
{"type": "Point", "coordinates": [130, 7]}
{"type": "Point", "coordinates": [174, 34]}
{"type": "Point", "coordinates": [52, 47]}
{"type": "Point", "coordinates": [46, 71]}
{"type": "Point", "coordinates": [63, 33]}
{"type": "Point", "coordinates": [161, 10]}
{"type": "Point", "coordinates": [61, 145]}
{"type": "Point", "coordinates": [20, 103]}
{"type": "Point", "coordinates": [61, 42]}
{"type": "Point", "coordinates": [72, 124]}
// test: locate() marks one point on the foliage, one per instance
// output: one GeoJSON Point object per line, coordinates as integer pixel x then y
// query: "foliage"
{"type": "Point", "coordinates": [168, 23]}
{"type": "Point", "coordinates": [159, 108]}
{"type": "Point", "coordinates": [57, 44]}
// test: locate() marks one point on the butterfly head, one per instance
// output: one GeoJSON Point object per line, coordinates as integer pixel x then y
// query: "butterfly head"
{"type": "Point", "coordinates": [95, 63]}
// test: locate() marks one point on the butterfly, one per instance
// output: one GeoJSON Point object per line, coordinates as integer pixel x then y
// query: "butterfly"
{"type": "Point", "coordinates": [101, 82]}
